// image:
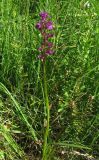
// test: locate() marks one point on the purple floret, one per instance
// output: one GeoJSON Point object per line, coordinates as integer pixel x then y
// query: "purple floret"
{"type": "Point", "coordinates": [39, 25]}
{"type": "Point", "coordinates": [43, 15]}
{"type": "Point", "coordinates": [49, 52]}
{"type": "Point", "coordinates": [49, 35]}
{"type": "Point", "coordinates": [50, 44]}
{"type": "Point", "coordinates": [42, 57]}
{"type": "Point", "coordinates": [49, 25]}
{"type": "Point", "coordinates": [40, 49]}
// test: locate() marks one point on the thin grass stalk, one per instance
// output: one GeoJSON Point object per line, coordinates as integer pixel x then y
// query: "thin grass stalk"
{"type": "Point", "coordinates": [46, 134]}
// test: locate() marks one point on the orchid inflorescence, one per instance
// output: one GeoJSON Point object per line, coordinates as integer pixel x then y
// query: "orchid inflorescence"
{"type": "Point", "coordinates": [45, 26]}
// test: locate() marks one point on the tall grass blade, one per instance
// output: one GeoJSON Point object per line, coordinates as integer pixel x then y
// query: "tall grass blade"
{"type": "Point", "coordinates": [18, 109]}
{"type": "Point", "coordinates": [5, 133]}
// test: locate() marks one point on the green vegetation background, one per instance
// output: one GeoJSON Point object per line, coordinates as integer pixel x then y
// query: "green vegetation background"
{"type": "Point", "coordinates": [72, 76]}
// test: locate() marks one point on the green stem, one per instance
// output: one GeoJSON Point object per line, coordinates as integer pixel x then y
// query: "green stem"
{"type": "Point", "coordinates": [46, 134]}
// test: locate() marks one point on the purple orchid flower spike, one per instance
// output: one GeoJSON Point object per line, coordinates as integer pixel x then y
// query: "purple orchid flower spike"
{"type": "Point", "coordinates": [45, 26]}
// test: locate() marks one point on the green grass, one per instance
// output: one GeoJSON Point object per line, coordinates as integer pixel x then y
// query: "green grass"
{"type": "Point", "coordinates": [72, 79]}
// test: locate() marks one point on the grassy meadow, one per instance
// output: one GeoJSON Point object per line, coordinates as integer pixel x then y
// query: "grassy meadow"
{"type": "Point", "coordinates": [72, 78]}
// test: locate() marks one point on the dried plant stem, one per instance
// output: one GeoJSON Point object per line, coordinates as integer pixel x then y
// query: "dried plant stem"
{"type": "Point", "coordinates": [77, 153]}
{"type": "Point", "coordinates": [46, 134]}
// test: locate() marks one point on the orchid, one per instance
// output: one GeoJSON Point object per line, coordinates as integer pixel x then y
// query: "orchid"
{"type": "Point", "coordinates": [45, 26]}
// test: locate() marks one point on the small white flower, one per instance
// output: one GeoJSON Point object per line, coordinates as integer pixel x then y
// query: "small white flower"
{"type": "Point", "coordinates": [87, 4]}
